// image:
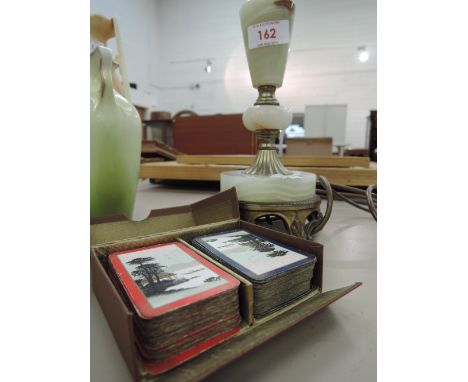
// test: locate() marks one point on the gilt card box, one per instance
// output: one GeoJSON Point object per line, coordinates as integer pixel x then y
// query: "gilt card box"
{"type": "Point", "coordinates": [215, 214]}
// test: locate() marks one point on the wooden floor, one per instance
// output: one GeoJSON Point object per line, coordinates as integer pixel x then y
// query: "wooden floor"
{"type": "Point", "coordinates": [338, 170]}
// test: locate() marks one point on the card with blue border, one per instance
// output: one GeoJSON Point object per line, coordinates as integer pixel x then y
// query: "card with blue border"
{"type": "Point", "coordinates": [279, 274]}
{"type": "Point", "coordinates": [256, 257]}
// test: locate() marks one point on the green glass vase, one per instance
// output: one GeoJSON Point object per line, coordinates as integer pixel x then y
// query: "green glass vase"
{"type": "Point", "coordinates": [115, 142]}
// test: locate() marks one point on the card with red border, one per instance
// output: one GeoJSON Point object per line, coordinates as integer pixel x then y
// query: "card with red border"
{"type": "Point", "coordinates": [166, 277]}
{"type": "Point", "coordinates": [184, 304]}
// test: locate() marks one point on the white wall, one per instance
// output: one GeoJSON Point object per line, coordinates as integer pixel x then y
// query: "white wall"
{"type": "Point", "coordinates": [137, 21]}
{"type": "Point", "coordinates": [323, 67]}
{"type": "Point", "coordinates": [326, 121]}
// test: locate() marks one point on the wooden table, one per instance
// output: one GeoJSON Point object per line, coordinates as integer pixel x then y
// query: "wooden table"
{"type": "Point", "coordinates": [355, 171]}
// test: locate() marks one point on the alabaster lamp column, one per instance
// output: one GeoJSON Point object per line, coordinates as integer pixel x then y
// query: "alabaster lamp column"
{"type": "Point", "coordinates": [267, 28]}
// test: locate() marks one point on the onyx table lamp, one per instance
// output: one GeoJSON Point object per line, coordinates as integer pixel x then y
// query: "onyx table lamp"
{"type": "Point", "coordinates": [267, 190]}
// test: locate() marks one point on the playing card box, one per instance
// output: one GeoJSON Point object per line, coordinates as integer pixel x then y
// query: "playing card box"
{"type": "Point", "coordinates": [219, 213]}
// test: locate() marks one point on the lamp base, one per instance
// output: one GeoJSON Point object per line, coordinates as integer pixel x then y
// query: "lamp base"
{"type": "Point", "coordinates": [275, 188]}
{"type": "Point", "coordinates": [302, 218]}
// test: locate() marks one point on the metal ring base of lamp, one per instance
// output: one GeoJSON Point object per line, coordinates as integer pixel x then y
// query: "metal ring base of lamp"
{"type": "Point", "coordinates": [302, 218]}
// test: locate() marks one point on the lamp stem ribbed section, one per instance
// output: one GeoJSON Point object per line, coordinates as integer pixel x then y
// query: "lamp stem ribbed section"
{"type": "Point", "coordinates": [267, 161]}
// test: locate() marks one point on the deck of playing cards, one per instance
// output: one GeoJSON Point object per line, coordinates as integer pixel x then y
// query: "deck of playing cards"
{"type": "Point", "coordinates": [279, 275]}
{"type": "Point", "coordinates": [184, 304]}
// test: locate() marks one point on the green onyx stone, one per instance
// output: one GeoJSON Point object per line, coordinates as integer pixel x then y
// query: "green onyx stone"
{"type": "Point", "coordinates": [115, 142]}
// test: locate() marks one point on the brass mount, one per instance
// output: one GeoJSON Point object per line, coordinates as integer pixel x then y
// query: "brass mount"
{"type": "Point", "coordinates": [266, 96]}
{"type": "Point", "coordinates": [302, 218]}
{"type": "Point", "coordinates": [267, 161]}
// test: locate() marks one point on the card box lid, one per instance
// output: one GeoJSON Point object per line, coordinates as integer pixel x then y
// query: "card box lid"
{"type": "Point", "coordinates": [218, 208]}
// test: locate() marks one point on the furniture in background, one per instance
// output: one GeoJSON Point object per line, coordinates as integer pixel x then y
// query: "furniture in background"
{"type": "Point", "coordinates": [320, 146]}
{"type": "Point", "coordinates": [212, 134]}
{"type": "Point", "coordinates": [185, 113]}
{"type": "Point", "coordinates": [353, 171]}
{"type": "Point", "coordinates": [142, 112]}
{"type": "Point", "coordinates": [340, 149]}
{"type": "Point", "coordinates": [357, 153]}
{"type": "Point", "coordinates": [373, 135]}
{"type": "Point", "coordinates": [157, 151]}
{"type": "Point", "coordinates": [159, 127]}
